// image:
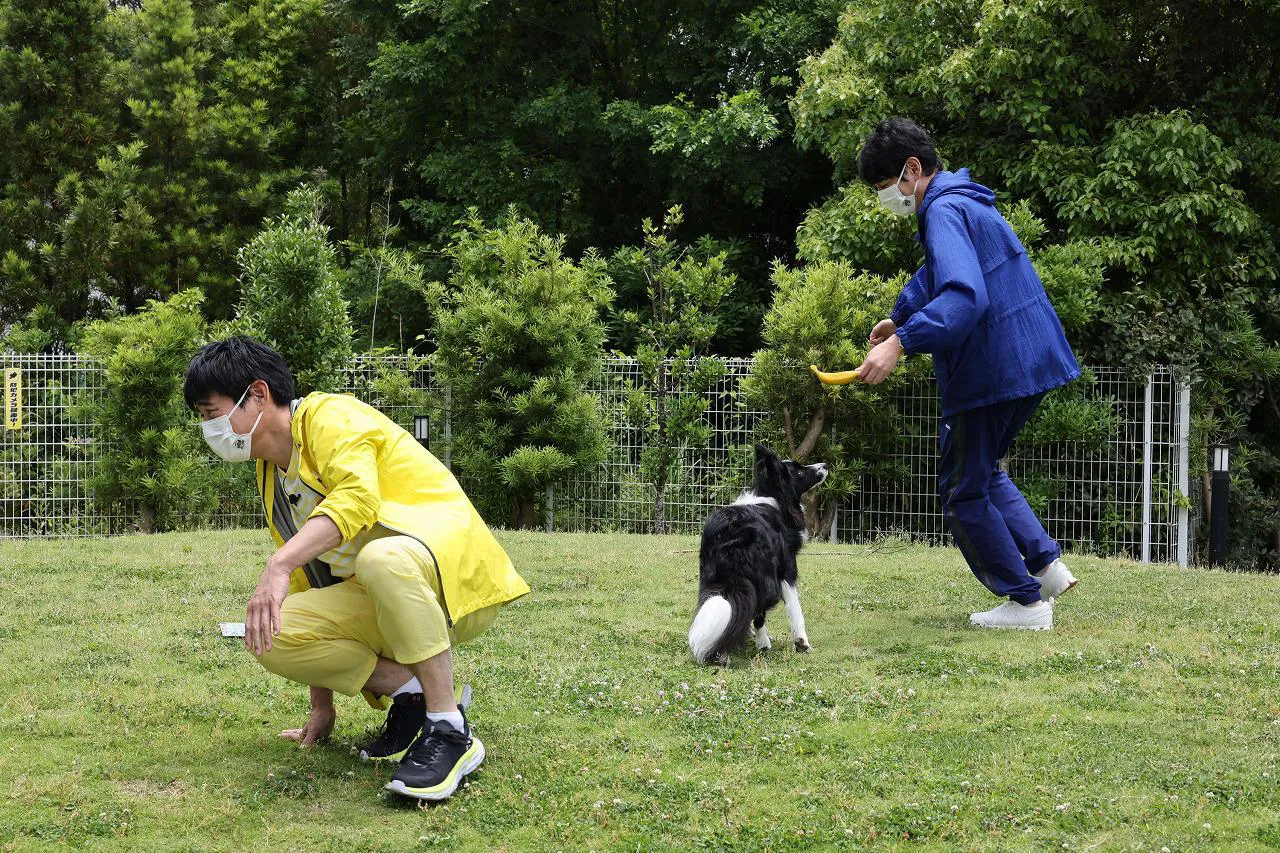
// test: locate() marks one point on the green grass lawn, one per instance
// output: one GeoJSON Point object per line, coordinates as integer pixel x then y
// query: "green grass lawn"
{"type": "Point", "coordinates": [1148, 718]}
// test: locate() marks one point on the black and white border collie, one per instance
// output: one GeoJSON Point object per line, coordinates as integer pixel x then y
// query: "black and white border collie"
{"type": "Point", "coordinates": [748, 560]}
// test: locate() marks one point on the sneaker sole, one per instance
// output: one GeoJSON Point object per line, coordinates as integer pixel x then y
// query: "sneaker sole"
{"type": "Point", "coordinates": [1012, 627]}
{"type": "Point", "coordinates": [364, 756]}
{"type": "Point", "coordinates": [1070, 586]}
{"type": "Point", "coordinates": [1056, 595]}
{"type": "Point", "coordinates": [472, 759]}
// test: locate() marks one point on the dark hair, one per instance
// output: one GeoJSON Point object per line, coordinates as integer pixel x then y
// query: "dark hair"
{"type": "Point", "coordinates": [228, 367]}
{"type": "Point", "coordinates": [889, 146]}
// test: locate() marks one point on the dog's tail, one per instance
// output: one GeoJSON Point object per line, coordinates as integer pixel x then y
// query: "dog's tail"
{"type": "Point", "coordinates": [721, 622]}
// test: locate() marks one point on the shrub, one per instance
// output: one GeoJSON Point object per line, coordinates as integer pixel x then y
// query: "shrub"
{"type": "Point", "coordinates": [519, 336]}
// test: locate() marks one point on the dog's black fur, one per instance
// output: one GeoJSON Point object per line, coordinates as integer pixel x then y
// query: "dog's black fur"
{"type": "Point", "coordinates": [748, 552]}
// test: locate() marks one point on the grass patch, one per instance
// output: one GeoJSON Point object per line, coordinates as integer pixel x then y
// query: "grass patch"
{"type": "Point", "coordinates": [1149, 717]}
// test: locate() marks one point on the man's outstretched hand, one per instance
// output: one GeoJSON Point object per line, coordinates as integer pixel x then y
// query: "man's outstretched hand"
{"type": "Point", "coordinates": [881, 361]}
{"type": "Point", "coordinates": [262, 618]}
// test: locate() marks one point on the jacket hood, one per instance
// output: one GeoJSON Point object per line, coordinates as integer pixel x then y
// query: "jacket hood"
{"type": "Point", "coordinates": [958, 182]}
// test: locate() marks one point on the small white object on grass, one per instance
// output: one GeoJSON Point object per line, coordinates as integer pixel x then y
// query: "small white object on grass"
{"type": "Point", "coordinates": [231, 629]}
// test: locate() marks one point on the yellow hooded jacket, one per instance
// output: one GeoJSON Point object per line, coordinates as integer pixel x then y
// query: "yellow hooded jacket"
{"type": "Point", "coordinates": [369, 471]}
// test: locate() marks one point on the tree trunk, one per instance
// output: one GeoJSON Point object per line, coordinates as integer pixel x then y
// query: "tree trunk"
{"type": "Point", "coordinates": [660, 486]}
{"type": "Point", "coordinates": [659, 508]}
{"type": "Point", "coordinates": [1206, 492]}
{"type": "Point", "coordinates": [817, 519]}
{"type": "Point", "coordinates": [810, 440]}
{"type": "Point", "coordinates": [147, 519]}
{"type": "Point", "coordinates": [522, 515]}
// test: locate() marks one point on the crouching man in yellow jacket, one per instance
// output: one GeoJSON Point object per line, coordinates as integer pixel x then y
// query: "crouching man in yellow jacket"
{"type": "Point", "coordinates": [382, 562]}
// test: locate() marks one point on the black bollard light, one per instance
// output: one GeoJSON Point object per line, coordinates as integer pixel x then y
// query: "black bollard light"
{"type": "Point", "coordinates": [422, 430]}
{"type": "Point", "coordinates": [1221, 485]}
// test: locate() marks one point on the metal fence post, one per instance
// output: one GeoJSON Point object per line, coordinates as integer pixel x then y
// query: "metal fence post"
{"type": "Point", "coordinates": [1146, 466]}
{"type": "Point", "coordinates": [551, 510]}
{"type": "Point", "coordinates": [835, 514]}
{"type": "Point", "coordinates": [448, 427]}
{"type": "Point", "coordinates": [1184, 476]}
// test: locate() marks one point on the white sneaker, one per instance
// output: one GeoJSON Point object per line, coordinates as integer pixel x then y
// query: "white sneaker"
{"type": "Point", "coordinates": [1055, 579]}
{"type": "Point", "coordinates": [1015, 616]}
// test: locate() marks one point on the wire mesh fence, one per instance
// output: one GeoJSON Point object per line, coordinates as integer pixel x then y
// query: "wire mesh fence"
{"type": "Point", "coordinates": [48, 453]}
{"type": "Point", "coordinates": [615, 496]}
{"type": "Point", "coordinates": [1122, 494]}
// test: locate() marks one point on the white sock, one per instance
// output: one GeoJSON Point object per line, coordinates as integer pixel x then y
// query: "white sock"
{"type": "Point", "coordinates": [410, 686]}
{"type": "Point", "coordinates": [453, 718]}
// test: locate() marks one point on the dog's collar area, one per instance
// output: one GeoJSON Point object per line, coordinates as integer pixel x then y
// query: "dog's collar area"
{"type": "Point", "coordinates": [749, 497]}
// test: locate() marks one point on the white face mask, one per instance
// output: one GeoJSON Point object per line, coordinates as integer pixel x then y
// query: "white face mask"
{"type": "Point", "coordinates": [892, 199]}
{"type": "Point", "coordinates": [222, 438]}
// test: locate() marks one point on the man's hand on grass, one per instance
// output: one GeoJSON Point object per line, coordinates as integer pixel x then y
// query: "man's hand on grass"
{"type": "Point", "coordinates": [320, 724]}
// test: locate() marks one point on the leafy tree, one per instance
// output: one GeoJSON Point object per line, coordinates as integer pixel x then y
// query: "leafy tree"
{"type": "Point", "coordinates": [168, 107]}
{"type": "Point", "coordinates": [291, 295]}
{"type": "Point", "coordinates": [57, 91]}
{"type": "Point", "coordinates": [383, 284]}
{"type": "Point", "coordinates": [269, 115]}
{"type": "Point", "coordinates": [1138, 135]}
{"type": "Point", "coordinates": [673, 333]}
{"type": "Point", "coordinates": [822, 314]}
{"type": "Point", "coordinates": [208, 168]}
{"type": "Point", "coordinates": [588, 116]}
{"type": "Point", "coordinates": [520, 338]}
{"type": "Point", "coordinates": [168, 207]}
{"type": "Point", "coordinates": [151, 453]}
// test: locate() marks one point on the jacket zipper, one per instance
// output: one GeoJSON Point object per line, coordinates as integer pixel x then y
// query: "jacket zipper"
{"type": "Point", "coordinates": [444, 602]}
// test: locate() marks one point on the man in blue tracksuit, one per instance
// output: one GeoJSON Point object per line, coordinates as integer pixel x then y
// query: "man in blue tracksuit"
{"type": "Point", "coordinates": [998, 347]}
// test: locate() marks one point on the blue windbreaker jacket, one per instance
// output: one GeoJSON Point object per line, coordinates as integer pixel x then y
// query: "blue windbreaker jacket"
{"type": "Point", "coordinates": [977, 304]}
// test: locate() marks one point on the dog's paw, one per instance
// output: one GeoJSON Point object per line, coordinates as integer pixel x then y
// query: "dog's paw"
{"type": "Point", "coordinates": [722, 659]}
{"type": "Point", "coordinates": [802, 645]}
{"type": "Point", "coordinates": [763, 645]}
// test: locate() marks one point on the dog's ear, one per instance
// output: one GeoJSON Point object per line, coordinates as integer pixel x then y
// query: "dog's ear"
{"type": "Point", "coordinates": [767, 461]}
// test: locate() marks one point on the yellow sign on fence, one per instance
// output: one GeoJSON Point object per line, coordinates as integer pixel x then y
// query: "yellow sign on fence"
{"type": "Point", "coordinates": [13, 398]}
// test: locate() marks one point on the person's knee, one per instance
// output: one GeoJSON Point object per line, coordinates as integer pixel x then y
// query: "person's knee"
{"type": "Point", "coordinates": [965, 507]}
{"type": "Point", "coordinates": [386, 560]}
{"type": "Point", "coordinates": [952, 497]}
{"type": "Point", "coordinates": [966, 490]}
